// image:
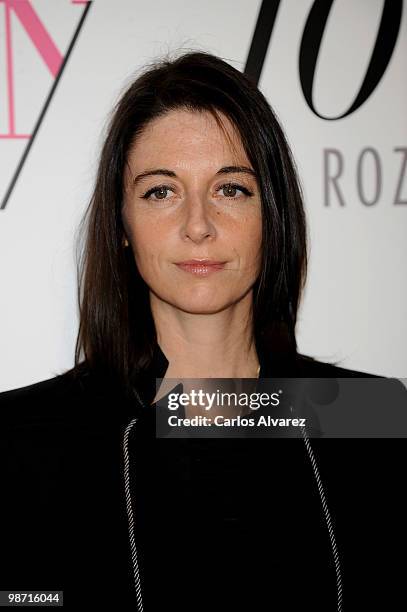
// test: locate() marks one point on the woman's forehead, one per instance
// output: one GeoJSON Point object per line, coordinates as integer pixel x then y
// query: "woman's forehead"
{"type": "Point", "coordinates": [186, 139]}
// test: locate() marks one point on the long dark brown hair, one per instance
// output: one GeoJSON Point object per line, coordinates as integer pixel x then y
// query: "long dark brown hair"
{"type": "Point", "coordinates": [116, 330]}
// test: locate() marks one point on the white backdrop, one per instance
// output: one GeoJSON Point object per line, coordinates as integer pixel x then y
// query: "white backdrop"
{"type": "Point", "coordinates": [354, 309]}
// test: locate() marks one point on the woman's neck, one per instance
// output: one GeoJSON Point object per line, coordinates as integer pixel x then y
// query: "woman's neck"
{"type": "Point", "coordinates": [214, 345]}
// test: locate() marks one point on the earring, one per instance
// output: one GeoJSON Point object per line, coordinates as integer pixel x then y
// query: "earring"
{"type": "Point", "coordinates": [125, 243]}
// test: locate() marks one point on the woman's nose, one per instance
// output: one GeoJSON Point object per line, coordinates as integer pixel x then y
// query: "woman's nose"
{"type": "Point", "coordinates": [197, 222]}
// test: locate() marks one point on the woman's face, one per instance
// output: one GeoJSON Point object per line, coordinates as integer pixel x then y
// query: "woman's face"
{"type": "Point", "coordinates": [190, 206]}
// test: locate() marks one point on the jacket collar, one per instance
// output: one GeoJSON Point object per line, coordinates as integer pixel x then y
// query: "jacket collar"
{"type": "Point", "coordinates": [273, 364]}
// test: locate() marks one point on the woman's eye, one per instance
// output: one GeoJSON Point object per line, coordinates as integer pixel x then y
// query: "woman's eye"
{"type": "Point", "coordinates": [161, 191]}
{"type": "Point", "coordinates": [229, 190]}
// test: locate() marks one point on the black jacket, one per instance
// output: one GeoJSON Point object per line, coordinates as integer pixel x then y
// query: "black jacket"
{"type": "Point", "coordinates": [95, 505]}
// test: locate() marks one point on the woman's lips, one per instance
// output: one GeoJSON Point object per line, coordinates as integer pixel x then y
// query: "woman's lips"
{"type": "Point", "coordinates": [201, 268]}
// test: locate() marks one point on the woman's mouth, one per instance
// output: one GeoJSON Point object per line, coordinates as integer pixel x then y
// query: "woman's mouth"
{"type": "Point", "coordinates": [201, 267]}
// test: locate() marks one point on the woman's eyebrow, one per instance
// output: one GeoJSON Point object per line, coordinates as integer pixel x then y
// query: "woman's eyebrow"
{"type": "Point", "coordinates": [165, 172]}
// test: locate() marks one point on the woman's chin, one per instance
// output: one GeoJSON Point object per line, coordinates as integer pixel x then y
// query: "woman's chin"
{"type": "Point", "coordinates": [201, 306]}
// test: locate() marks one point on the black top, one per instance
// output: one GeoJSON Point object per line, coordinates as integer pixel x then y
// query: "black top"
{"type": "Point", "coordinates": [254, 524]}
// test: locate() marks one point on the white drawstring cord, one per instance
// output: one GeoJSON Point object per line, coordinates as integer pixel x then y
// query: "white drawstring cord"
{"type": "Point", "coordinates": [327, 518]}
{"type": "Point", "coordinates": [130, 516]}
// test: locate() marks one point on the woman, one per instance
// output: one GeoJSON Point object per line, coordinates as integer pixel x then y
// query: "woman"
{"type": "Point", "coordinates": [194, 263]}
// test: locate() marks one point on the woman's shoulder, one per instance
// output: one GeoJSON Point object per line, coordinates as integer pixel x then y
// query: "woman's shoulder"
{"type": "Point", "coordinates": [310, 367]}
{"type": "Point", "coordinates": [70, 381]}
{"type": "Point", "coordinates": [75, 400]}
{"type": "Point", "coordinates": [70, 394]}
